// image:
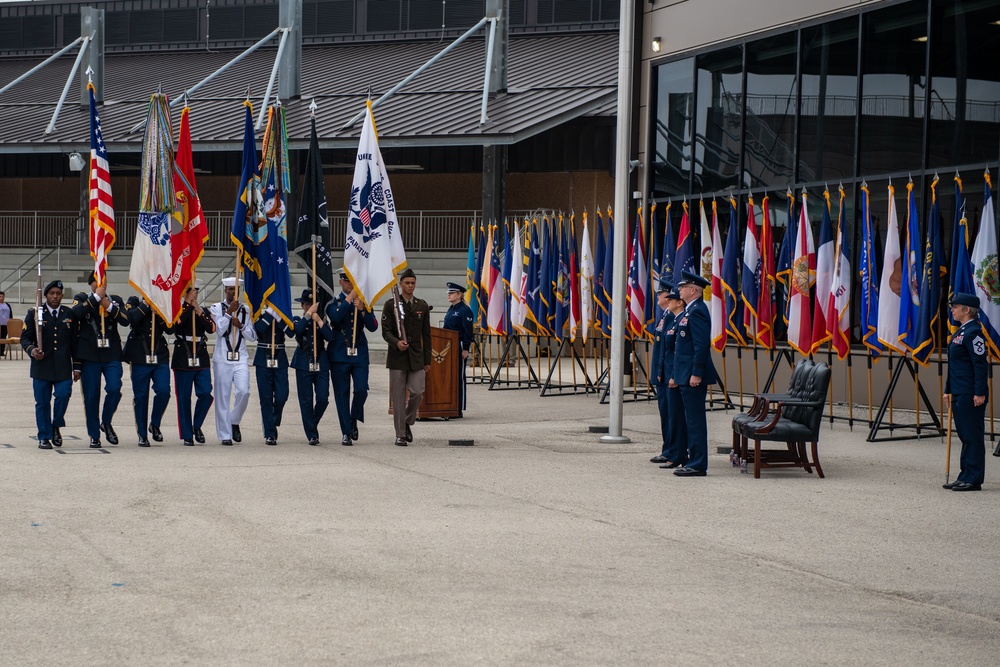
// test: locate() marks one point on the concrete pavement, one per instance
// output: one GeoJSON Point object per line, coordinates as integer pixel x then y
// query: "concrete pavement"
{"type": "Point", "coordinates": [539, 545]}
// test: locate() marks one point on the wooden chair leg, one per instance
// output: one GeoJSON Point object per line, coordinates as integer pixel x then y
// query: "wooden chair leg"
{"type": "Point", "coordinates": [819, 469]}
{"type": "Point", "coordinates": [756, 458]}
{"type": "Point", "coordinates": [803, 458]}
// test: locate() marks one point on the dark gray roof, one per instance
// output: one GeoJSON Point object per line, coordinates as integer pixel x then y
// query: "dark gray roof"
{"type": "Point", "coordinates": [551, 79]}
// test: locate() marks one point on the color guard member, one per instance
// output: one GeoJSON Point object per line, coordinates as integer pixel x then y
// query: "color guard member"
{"type": "Point", "coordinates": [407, 360]}
{"type": "Point", "coordinates": [147, 353]}
{"type": "Point", "coordinates": [349, 360]}
{"type": "Point", "coordinates": [312, 365]}
{"type": "Point", "coordinates": [233, 328]}
{"type": "Point", "coordinates": [192, 367]}
{"type": "Point", "coordinates": [270, 364]}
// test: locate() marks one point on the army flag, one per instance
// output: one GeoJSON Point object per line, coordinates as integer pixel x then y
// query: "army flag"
{"type": "Point", "coordinates": [986, 272]}
{"type": "Point", "coordinates": [312, 230]}
{"type": "Point", "coordinates": [889, 298]}
{"type": "Point", "coordinates": [373, 253]}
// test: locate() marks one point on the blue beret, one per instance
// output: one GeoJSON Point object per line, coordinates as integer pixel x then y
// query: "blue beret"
{"type": "Point", "coordinates": [693, 279]}
{"type": "Point", "coordinates": [965, 299]}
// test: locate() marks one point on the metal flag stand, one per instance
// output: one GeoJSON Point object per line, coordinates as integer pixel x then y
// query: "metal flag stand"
{"type": "Point", "coordinates": [933, 430]}
{"type": "Point", "coordinates": [548, 388]}
{"type": "Point", "coordinates": [513, 339]}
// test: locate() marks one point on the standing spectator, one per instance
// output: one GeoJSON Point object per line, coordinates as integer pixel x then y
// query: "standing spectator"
{"type": "Point", "coordinates": [459, 318]}
{"type": "Point", "coordinates": [5, 314]}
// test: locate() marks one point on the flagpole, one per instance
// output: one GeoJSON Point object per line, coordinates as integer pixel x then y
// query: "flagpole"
{"type": "Point", "coordinates": [315, 299]}
{"type": "Point", "coordinates": [916, 391]}
{"type": "Point", "coordinates": [869, 389]}
{"type": "Point", "coordinates": [940, 370]}
{"type": "Point", "coordinates": [850, 392]}
{"type": "Point", "coordinates": [756, 380]}
{"type": "Point", "coordinates": [152, 334]}
{"type": "Point", "coordinates": [890, 395]}
{"type": "Point", "coordinates": [947, 461]}
{"type": "Point", "coordinates": [829, 360]}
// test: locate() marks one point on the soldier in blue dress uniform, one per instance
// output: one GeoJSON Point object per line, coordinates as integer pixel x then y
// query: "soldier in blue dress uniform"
{"type": "Point", "coordinates": [147, 353]}
{"type": "Point", "coordinates": [459, 318]}
{"type": "Point", "coordinates": [53, 367]}
{"type": "Point", "coordinates": [99, 348]}
{"type": "Point", "coordinates": [349, 360]}
{"type": "Point", "coordinates": [192, 367]}
{"type": "Point", "coordinates": [270, 364]}
{"type": "Point", "coordinates": [693, 371]}
{"type": "Point", "coordinates": [658, 330]}
{"type": "Point", "coordinates": [677, 439]}
{"type": "Point", "coordinates": [312, 373]}
{"type": "Point", "coordinates": [967, 389]}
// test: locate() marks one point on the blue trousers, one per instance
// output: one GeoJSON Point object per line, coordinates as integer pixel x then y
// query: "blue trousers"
{"type": "Point", "coordinates": [677, 434]}
{"type": "Point", "coordinates": [314, 397]}
{"type": "Point", "coordinates": [696, 422]}
{"type": "Point", "coordinates": [463, 404]}
{"type": "Point", "coordinates": [341, 376]}
{"type": "Point", "coordinates": [201, 380]}
{"type": "Point", "coordinates": [142, 377]}
{"type": "Point", "coordinates": [662, 403]}
{"type": "Point", "coordinates": [49, 414]}
{"type": "Point", "coordinates": [272, 389]}
{"type": "Point", "coordinates": [970, 425]}
{"type": "Point", "coordinates": [90, 385]}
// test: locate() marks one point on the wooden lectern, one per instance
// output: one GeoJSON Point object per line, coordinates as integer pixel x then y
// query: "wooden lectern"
{"type": "Point", "coordinates": [441, 381]}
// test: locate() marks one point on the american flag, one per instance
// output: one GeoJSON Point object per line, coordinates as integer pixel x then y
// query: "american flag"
{"type": "Point", "coordinates": [102, 209]}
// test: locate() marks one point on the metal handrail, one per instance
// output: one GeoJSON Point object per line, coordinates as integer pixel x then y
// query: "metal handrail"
{"type": "Point", "coordinates": [30, 260]}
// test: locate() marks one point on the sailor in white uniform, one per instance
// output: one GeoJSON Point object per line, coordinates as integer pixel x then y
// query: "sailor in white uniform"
{"type": "Point", "coordinates": [230, 363]}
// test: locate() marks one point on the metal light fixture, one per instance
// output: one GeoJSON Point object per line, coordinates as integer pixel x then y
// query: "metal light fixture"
{"type": "Point", "coordinates": [76, 162]}
{"type": "Point", "coordinates": [656, 45]}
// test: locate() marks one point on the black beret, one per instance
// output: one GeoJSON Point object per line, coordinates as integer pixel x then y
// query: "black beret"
{"type": "Point", "coordinates": [965, 299]}
{"type": "Point", "coordinates": [92, 278]}
{"type": "Point", "coordinates": [54, 283]}
{"type": "Point", "coordinates": [407, 273]}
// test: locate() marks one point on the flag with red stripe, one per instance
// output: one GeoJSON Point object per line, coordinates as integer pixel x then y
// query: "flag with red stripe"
{"type": "Point", "coordinates": [102, 208]}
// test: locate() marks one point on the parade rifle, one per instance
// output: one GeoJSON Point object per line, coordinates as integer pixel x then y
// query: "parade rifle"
{"type": "Point", "coordinates": [397, 304]}
{"type": "Point", "coordinates": [39, 310]}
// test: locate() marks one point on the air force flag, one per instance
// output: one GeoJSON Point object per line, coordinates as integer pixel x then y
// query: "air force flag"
{"type": "Point", "coordinates": [373, 253]}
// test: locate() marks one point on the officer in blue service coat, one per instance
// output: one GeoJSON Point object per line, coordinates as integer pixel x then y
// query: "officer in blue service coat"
{"type": "Point", "coordinates": [967, 389]}
{"type": "Point", "coordinates": [99, 348]}
{"type": "Point", "coordinates": [147, 353]}
{"type": "Point", "coordinates": [693, 371]}
{"type": "Point", "coordinates": [270, 364]}
{"type": "Point", "coordinates": [348, 320]}
{"type": "Point", "coordinates": [459, 318]}
{"type": "Point", "coordinates": [192, 367]}
{"type": "Point", "coordinates": [312, 373]}
{"type": "Point", "coordinates": [53, 368]}
{"type": "Point", "coordinates": [658, 331]}
{"type": "Point", "coordinates": [677, 438]}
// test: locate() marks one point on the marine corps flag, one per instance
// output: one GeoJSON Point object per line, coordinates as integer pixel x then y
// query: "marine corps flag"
{"type": "Point", "coordinates": [373, 253]}
{"type": "Point", "coordinates": [312, 230]}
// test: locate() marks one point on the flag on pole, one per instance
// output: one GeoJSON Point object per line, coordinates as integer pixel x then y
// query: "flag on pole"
{"type": "Point", "coordinates": [586, 282]}
{"type": "Point", "coordinates": [718, 303]}
{"type": "Point", "coordinates": [959, 237]}
{"type": "Point", "coordinates": [838, 321]}
{"type": "Point", "coordinates": [493, 282]}
{"type": "Point", "coordinates": [158, 258]}
{"type": "Point", "coordinates": [825, 260]}
{"type": "Point", "coordinates": [508, 268]}
{"type": "Point", "coordinates": [766, 307]}
{"type": "Point", "coordinates": [374, 253]}
{"type": "Point", "coordinates": [574, 280]}
{"type": "Point", "coordinates": [653, 250]}
{"type": "Point", "coordinates": [312, 229]}
{"type": "Point", "coordinates": [517, 280]}
{"type": "Point", "coordinates": [638, 278]}
{"type": "Point", "coordinates": [889, 299]}
{"type": "Point", "coordinates": [684, 260]}
{"type": "Point", "coordinates": [481, 297]}
{"type": "Point", "coordinates": [987, 276]}
{"type": "Point", "coordinates": [562, 283]}
{"type": "Point", "coordinates": [669, 249]}
{"type": "Point", "coordinates": [802, 278]}
{"type": "Point", "coordinates": [188, 245]}
{"type": "Point", "coordinates": [249, 223]}
{"type": "Point", "coordinates": [102, 208]}
{"type": "Point", "coordinates": [869, 277]}
{"type": "Point", "coordinates": [930, 286]}
{"type": "Point", "coordinates": [705, 252]}
{"type": "Point", "coordinates": [609, 275]}
{"type": "Point", "coordinates": [730, 283]}
{"type": "Point", "coordinates": [546, 314]}
{"type": "Point", "coordinates": [786, 257]}
{"type": "Point", "coordinates": [751, 275]}
{"type": "Point", "coordinates": [471, 281]}
{"type": "Point", "coordinates": [532, 268]}
{"type": "Point", "coordinates": [600, 250]}
{"type": "Point", "coordinates": [912, 271]}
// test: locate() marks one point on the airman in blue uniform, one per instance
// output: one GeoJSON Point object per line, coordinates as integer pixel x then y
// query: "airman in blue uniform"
{"type": "Point", "coordinates": [693, 371]}
{"type": "Point", "coordinates": [312, 365]}
{"type": "Point", "coordinates": [658, 331]}
{"type": "Point", "coordinates": [677, 439]}
{"type": "Point", "coordinates": [270, 363]}
{"type": "Point", "coordinates": [147, 353]}
{"type": "Point", "coordinates": [349, 359]}
{"type": "Point", "coordinates": [967, 389]}
{"type": "Point", "coordinates": [459, 318]}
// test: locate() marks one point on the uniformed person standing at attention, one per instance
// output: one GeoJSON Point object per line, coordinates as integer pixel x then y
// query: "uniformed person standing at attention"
{"type": "Point", "coordinates": [99, 348]}
{"type": "Point", "coordinates": [967, 389]}
{"type": "Point", "coordinates": [459, 318]}
{"type": "Point", "coordinates": [192, 367]}
{"type": "Point", "coordinates": [53, 368]}
{"type": "Point", "coordinates": [658, 329]}
{"type": "Point", "coordinates": [407, 360]}
{"type": "Point", "coordinates": [677, 438]}
{"type": "Point", "coordinates": [312, 365]}
{"type": "Point", "coordinates": [233, 328]}
{"type": "Point", "coordinates": [694, 371]}
{"type": "Point", "coordinates": [147, 353]}
{"type": "Point", "coordinates": [270, 364]}
{"type": "Point", "coordinates": [349, 359]}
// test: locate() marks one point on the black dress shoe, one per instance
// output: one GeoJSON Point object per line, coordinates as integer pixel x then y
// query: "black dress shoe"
{"type": "Point", "coordinates": [346, 441]}
{"type": "Point", "coordinates": [237, 436]}
{"type": "Point", "coordinates": [689, 472]}
{"type": "Point", "coordinates": [965, 486]}
{"type": "Point", "coordinates": [950, 485]}
{"type": "Point", "coordinates": [313, 441]}
{"type": "Point", "coordinates": [56, 437]}
{"type": "Point", "coordinates": [189, 443]}
{"type": "Point", "coordinates": [270, 441]}
{"type": "Point", "coordinates": [110, 434]}
{"type": "Point", "coordinates": [659, 458]}
{"type": "Point", "coordinates": [155, 432]}
{"type": "Point", "coordinates": [45, 443]}
{"type": "Point", "coordinates": [670, 464]}
{"type": "Point", "coordinates": [143, 442]}
{"type": "Point", "coordinates": [400, 442]}
{"type": "Point", "coordinates": [227, 443]}
{"type": "Point", "coordinates": [199, 437]}
{"type": "Point", "coordinates": [409, 434]}
{"type": "Point", "coordinates": [95, 443]}
{"type": "Point", "coordinates": [354, 429]}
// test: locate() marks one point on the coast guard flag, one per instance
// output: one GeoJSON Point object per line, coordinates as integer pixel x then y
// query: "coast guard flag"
{"type": "Point", "coordinates": [102, 209]}
{"type": "Point", "coordinates": [730, 284]}
{"type": "Point", "coordinates": [930, 286]}
{"type": "Point", "coordinates": [751, 284]}
{"type": "Point", "coordinates": [586, 282]}
{"type": "Point", "coordinates": [987, 272]}
{"type": "Point", "coordinates": [912, 271]}
{"type": "Point", "coordinates": [838, 321]}
{"type": "Point", "coordinates": [802, 278]}
{"type": "Point", "coordinates": [718, 304]}
{"type": "Point", "coordinates": [869, 277]}
{"type": "Point", "coordinates": [825, 258]}
{"type": "Point", "coordinates": [889, 298]}
{"type": "Point", "coordinates": [766, 306]}
{"type": "Point", "coordinates": [373, 253]}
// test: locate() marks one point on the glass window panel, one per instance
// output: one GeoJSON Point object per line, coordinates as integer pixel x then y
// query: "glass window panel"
{"type": "Point", "coordinates": [719, 120]}
{"type": "Point", "coordinates": [770, 123]}
{"type": "Point", "coordinates": [893, 85]}
{"type": "Point", "coordinates": [829, 100]}
{"type": "Point", "coordinates": [671, 131]}
{"type": "Point", "coordinates": [965, 83]}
